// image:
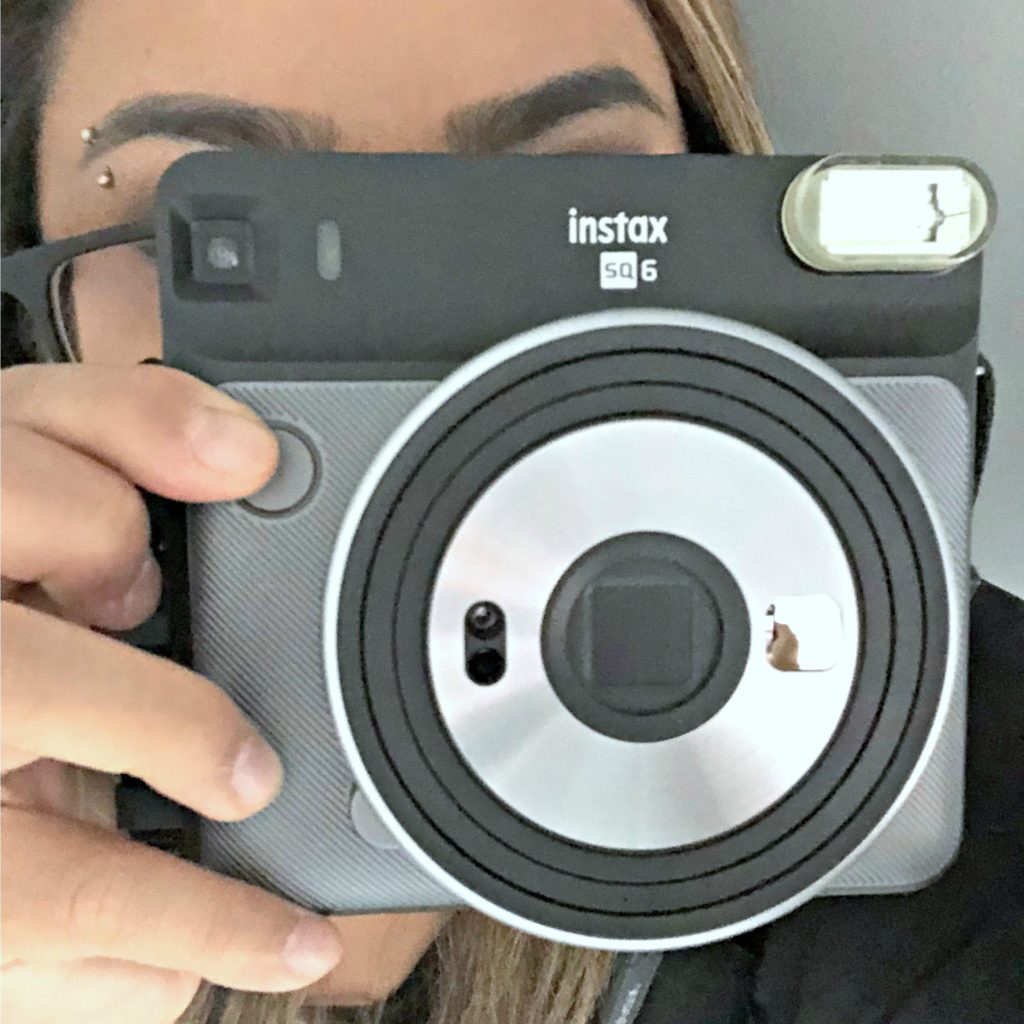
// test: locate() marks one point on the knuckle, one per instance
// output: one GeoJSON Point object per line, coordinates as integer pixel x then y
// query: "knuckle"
{"type": "Point", "coordinates": [118, 520]}
{"type": "Point", "coordinates": [95, 912]}
{"type": "Point", "coordinates": [216, 936]}
{"type": "Point", "coordinates": [167, 393]}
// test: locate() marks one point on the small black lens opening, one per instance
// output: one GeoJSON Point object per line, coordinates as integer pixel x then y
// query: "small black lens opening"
{"type": "Point", "coordinates": [485, 666]}
{"type": "Point", "coordinates": [484, 620]}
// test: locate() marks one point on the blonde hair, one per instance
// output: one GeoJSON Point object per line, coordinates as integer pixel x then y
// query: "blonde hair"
{"type": "Point", "coordinates": [479, 971]}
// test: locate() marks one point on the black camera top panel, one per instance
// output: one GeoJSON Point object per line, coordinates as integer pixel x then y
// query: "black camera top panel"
{"type": "Point", "coordinates": [345, 265]}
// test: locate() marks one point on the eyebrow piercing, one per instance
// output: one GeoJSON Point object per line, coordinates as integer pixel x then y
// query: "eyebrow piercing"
{"type": "Point", "coordinates": [106, 178]}
{"type": "Point", "coordinates": [89, 135]}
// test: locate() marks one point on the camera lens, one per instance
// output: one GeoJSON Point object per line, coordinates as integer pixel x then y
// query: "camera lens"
{"type": "Point", "coordinates": [486, 666]}
{"type": "Point", "coordinates": [484, 619]}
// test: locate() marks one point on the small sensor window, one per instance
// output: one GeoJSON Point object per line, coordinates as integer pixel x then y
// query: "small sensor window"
{"type": "Point", "coordinates": [328, 250]}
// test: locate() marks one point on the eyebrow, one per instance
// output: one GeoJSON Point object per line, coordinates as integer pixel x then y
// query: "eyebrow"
{"type": "Point", "coordinates": [213, 121]}
{"type": "Point", "coordinates": [489, 127]}
{"type": "Point", "coordinates": [501, 124]}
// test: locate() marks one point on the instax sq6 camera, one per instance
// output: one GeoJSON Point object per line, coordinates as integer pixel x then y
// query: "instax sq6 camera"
{"type": "Point", "coordinates": [613, 578]}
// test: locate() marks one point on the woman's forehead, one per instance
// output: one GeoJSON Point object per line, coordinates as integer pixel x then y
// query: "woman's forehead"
{"type": "Point", "coordinates": [393, 69]}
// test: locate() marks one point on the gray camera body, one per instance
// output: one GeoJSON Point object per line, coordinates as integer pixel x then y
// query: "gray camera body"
{"type": "Point", "coordinates": [570, 447]}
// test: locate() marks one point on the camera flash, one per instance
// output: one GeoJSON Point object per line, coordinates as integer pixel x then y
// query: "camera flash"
{"type": "Point", "coordinates": [888, 213]}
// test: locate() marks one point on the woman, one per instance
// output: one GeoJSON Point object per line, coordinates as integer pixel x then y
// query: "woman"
{"type": "Point", "coordinates": [99, 97]}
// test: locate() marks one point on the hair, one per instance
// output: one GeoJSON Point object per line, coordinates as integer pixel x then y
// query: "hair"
{"type": "Point", "coordinates": [477, 971]}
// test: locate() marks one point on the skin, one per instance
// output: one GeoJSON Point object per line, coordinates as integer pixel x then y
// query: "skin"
{"type": "Point", "coordinates": [132, 943]}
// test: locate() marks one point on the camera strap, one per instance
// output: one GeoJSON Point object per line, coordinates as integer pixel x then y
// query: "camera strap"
{"type": "Point", "coordinates": [632, 975]}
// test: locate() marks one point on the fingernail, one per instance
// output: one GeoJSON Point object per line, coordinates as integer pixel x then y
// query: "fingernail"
{"type": "Point", "coordinates": [144, 593]}
{"type": "Point", "coordinates": [257, 773]}
{"type": "Point", "coordinates": [313, 948]}
{"type": "Point", "coordinates": [227, 441]}
{"type": "Point", "coordinates": [138, 602]}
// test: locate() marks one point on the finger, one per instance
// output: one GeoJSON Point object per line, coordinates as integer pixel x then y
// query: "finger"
{"type": "Point", "coordinates": [78, 530]}
{"type": "Point", "coordinates": [164, 430]}
{"type": "Point", "coordinates": [63, 789]}
{"type": "Point", "coordinates": [30, 595]}
{"type": "Point", "coordinates": [381, 951]}
{"type": "Point", "coordinates": [107, 991]}
{"type": "Point", "coordinates": [74, 891]}
{"type": "Point", "coordinates": [89, 700]}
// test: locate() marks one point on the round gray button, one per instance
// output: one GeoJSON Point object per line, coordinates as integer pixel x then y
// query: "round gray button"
{"type": "Point", "coordinates": [294, 478]}
{"type": "Point", "coordinates": [368, 825]}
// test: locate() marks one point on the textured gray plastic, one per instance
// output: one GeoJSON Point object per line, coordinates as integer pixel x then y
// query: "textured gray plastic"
{"type": "Point", "coordinates": [257, 598]}
{"type": "Point", "coordinates": [257, 592]}
{"type": "Point", "coordinates": [930, 418]}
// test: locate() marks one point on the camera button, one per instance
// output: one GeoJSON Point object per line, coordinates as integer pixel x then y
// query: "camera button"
{"type": "Point", "coordinates": [294, 479]}
{"type": "Point", "coordinates": [368, 825]}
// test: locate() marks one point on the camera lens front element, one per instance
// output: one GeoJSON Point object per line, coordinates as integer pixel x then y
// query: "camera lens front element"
{"type": "Point", "coordinates": [646, 637]}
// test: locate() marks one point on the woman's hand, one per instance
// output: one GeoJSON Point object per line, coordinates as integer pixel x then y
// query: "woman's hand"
{"type": "Point", "coordinates": [95, 927]}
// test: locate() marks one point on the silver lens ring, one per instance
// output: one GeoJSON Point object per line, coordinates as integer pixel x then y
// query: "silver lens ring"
{"type": "Point", "coordinates": [523, 533]}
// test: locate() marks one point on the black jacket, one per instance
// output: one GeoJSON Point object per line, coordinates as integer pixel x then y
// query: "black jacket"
{"type": "Point", "coordinates": [950, 954]}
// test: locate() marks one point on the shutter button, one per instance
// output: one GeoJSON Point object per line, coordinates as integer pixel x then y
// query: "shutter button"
{"type": "Point", "coordinates": [294, 479]}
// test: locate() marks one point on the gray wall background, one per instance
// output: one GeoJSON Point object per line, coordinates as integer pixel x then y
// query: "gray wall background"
{"type": "Point", "coordinates": [925, 77]}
